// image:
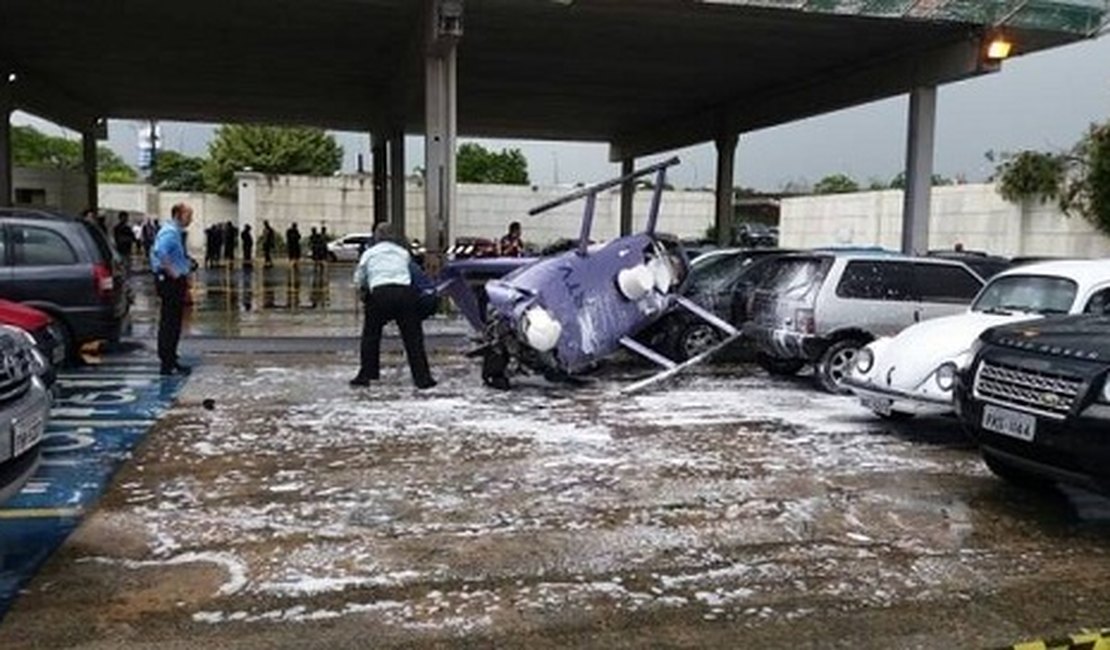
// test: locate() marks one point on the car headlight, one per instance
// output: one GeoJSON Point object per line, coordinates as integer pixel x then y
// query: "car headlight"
{"type": "Point", "coordinates": [946, 377]}
{"type": "Point", "coordinates": [865, 361]}
{"type": "Point", "coordinates": [1106, 391]}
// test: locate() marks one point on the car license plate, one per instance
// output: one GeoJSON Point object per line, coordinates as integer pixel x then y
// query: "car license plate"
{"type": "Point", "coordinates": [26, 433]}
{"type": "Point", "coordinates": [880, 405]}
{"type": "Point", "coordinates": [1009, 423]}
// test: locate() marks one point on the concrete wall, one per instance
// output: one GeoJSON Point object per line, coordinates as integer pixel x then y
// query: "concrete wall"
{"type": "Point", "coordinates": [61, 190]}
{"type": "Point", "coordinates": [974, 215]}
{"type": "Point", "coordinates": [345, 205]}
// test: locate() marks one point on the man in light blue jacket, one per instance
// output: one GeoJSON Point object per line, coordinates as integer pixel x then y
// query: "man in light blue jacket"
{"type": "Point", "coordinates": [383, 277]}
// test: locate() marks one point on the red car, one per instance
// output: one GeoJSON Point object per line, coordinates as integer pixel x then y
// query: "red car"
{"type": "Point", "coordinates": [41, 327]}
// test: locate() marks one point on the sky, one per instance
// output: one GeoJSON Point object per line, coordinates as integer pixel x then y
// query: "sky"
{"type": "Point", "coordinates": [1042, 101]}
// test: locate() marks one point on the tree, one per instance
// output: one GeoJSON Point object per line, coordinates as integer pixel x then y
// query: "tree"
{"type": "Point", "coordinates": [36, 150]}
{"type": "Point", "coordinates": [1079, 180]}
{"type": "Point", "coordinates": [270, 150]}
{"type": "Point", "coordinates": [1031, 174]}
{"type": "Point", "coordinates": [899, 181]}
{"type": "Point", "coordinates": [176, 172]}
{"type": "Point", "coordinates": [836, 184]}
{"type": "Point", "coordinates": [476, 164]}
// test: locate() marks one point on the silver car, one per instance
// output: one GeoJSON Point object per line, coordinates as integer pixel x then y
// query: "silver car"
{"type": "Point", "coordinates": [822, 308]}
{"type": "Point", "coordinates": [24, 409]}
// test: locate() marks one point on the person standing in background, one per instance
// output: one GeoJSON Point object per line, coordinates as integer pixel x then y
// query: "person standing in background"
{"type": "Point", "coordinates": [269, 241]}
{"type": "Point", "coordinates": [293, 244]}
{"type": "Point", "coordinates": [248, 246]}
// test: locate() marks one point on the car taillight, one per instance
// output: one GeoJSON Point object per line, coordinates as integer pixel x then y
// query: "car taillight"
{"type": "Point", "coordinates": [804, 321]}
{"type": "Point", "coordinates": [103, 282]}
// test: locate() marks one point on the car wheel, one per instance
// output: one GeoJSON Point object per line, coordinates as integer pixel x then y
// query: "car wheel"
{"type": "Point", "coordinates": [1016, 476]}
{"type": "Point", "coordinates": [895, 416]}
{"type": "Point", "coordinates": [68, 343]}
{"type": "Point", "coordinates": [780, 367]}
{"type": "Point", "coordinates": [836, 363]}
{"type": "Point", "coordinates": [695, 339]}
{"type": "Point", "coordinates": [332, 258]}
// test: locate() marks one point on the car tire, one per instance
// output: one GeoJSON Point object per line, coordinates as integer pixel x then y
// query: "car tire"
{"type": "Point", "coordinates": [895, 416]}
{"type": "Point", "coordinates": [1016, 476]}
{"type": "Point", "coordinates": [332, 258]}
{"type": "Point", "coordinates": [692, 339]}
{"type": "Point", "coordinates": [779, 367]}
{"type": "Point", "coordinates": [835, 364]}
{"type": "Point", "coordinates": [68, 343]}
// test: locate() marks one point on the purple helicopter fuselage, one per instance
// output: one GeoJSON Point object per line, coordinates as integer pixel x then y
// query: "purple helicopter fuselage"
{"type": "Point", "coordinates": [580, 292]}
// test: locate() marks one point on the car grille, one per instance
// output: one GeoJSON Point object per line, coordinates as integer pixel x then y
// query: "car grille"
{"type": "Point", "coordinates": [17, 366]}
{"type": "Point", "coordinates": [1029, 390]}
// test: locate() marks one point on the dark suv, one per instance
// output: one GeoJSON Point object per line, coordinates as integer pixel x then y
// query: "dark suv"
{"type": "Point", "coordinates": [1037, 400]}
{"type": "Point", "coordinates": [65, 267]}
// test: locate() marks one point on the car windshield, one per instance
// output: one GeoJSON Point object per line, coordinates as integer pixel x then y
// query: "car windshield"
{"type": "Point", "coordinates": [1028, 293]}
{"type": "Point", "coordinates": [796, 278]}
{"type": "Point", "coordinates": [713, 273]}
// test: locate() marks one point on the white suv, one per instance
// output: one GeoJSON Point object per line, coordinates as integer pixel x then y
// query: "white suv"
{"type": "Point", "coordinates": [824, 307]}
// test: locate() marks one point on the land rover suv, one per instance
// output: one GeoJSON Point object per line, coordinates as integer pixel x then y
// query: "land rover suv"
{"type": "Point", "coordinates": [821, 308]}
{"type": "Point", "coordinates": [1037, 400]}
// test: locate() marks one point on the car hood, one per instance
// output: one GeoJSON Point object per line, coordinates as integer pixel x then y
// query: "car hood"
{"type": "Point", "coordinates": [1083, 337]}
{"type": "Point", "coordinates": [21, 316]}
{"type": "Point", "coordinates": [915, 353]}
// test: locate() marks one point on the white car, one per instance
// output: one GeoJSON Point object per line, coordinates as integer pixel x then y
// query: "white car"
{"type": "Point", "coordinates": [348, 247]}
{"type": "Point", "coordinates": [914, 372]}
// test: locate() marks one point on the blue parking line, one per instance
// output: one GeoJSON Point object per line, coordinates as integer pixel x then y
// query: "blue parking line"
{"type": "Point", "coordinates": [100, 414]}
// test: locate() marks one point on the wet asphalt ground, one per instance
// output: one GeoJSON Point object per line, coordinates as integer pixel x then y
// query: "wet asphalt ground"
{"type": "Point", "coordinates": [728, 510]}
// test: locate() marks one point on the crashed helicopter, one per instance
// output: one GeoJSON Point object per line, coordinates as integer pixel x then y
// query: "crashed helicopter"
{"type": "Point", "coordinates": [558, 316]}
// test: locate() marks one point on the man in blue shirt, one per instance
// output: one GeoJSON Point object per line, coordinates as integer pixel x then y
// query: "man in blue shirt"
{"type": "Point", "coordinates": [171, 266]}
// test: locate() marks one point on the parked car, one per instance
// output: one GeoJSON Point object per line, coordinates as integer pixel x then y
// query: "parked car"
{"type": "Point", "coordinates": [1037, 400]}
{"type": "Point", "coordinates": [986, 265]}
{"type": "Point", "coordinates": [24, 410]}
{"type": "Point", "coordinates": [914, 372]}
{"type": "Point", "coordinates": [472, 247]}
{"type": "Point", "coordinates": [822, 308]}
{"type": "Point", "coordinates": [348, 248]}
{"type": "Point", "coordinates": [719, 281]}
{"type": "Point", "coordinates": [65, 267]}
{"type": "Point", "coordinates": [43, 330]}
{"type": "Point", "coordinates": [755, 235]}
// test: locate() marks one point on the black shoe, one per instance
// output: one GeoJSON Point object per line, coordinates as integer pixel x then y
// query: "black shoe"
{"type": "Point", "coordinates": [166, 372]}
{"type": "Point", "coordinates": [182, 370]}
{"type": "Point", "coordinates": [360, 382]}
{"type": "Point", "coordinates": [431, 383]}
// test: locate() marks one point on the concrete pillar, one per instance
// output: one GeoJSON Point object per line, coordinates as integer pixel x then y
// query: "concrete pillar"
{"type": "Point", "coordinates": [441, 122]}
{"type": "Point", "coordinates": [397, 181]}
{"type": "Point", "coordinates": [726, 166]}
{"type": "Point", "coordinates": [919, 170]}
{"type": "Point", "coordinates": [628, 195]}
{"type": "Point", "coordinates": [5, 146]}
{"type": "Point", "coordinates": [380, 165]}
{"type": "Point", "coordinates": [88, 149]}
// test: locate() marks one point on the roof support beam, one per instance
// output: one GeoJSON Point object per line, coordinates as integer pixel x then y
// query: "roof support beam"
{"type": "Point", "coordinates": [828, 91]}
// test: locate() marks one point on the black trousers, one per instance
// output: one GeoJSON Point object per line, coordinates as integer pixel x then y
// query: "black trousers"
{"type": "Point", "coordinates": [172, 293]}
{"type": "Point", "coordinates": [394, 302]}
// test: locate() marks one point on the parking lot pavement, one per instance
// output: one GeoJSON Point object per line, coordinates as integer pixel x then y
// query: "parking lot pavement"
{"type": "Point", "coordinates": [100, 413]}
{"type": "Point", "coordinates": [729, 511]}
